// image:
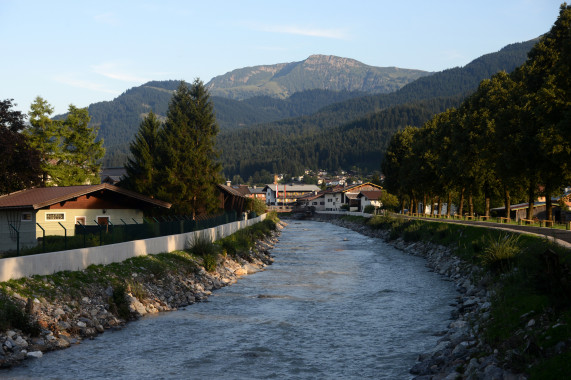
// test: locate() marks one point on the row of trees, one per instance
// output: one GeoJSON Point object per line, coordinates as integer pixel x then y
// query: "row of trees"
{"type": "Point", "coordinates": [510, 138]}
{"type": "Point", "coordinates": [176, 160]}
{"type": "Point", "coordinates": [47, 152]}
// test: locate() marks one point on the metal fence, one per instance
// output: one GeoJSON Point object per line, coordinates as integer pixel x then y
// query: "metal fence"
{"type": "Point", "coordinates": [102, 234]}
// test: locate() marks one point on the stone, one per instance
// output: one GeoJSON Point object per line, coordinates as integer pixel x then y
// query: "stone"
{"type": "Point", "coordinates": [81, 324]}
{"type": "Point", "coordinates": [35, 354]}
{"type": "Point", "coordinates": [58, 312]}
{"type": "Point", "coordinates": [21, 342]}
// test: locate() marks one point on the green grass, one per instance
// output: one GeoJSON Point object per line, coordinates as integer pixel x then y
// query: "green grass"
{"type": "Point", "coordinates": [531, 278]}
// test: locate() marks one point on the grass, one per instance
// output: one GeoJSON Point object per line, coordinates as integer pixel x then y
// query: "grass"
{"type": "Point", "coordinates": [531, 279]}
{"type": "Point", "coordinates": [125, 277]}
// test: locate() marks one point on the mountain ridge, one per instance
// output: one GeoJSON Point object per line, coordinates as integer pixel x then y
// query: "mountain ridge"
{"type": "Point", "coordinates": [327, 72]}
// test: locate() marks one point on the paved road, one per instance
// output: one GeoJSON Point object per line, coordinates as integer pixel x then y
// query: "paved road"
{"type": "Point", "coordinates": [563, 237]}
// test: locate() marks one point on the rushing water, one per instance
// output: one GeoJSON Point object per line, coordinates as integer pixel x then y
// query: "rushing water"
{"type": "Point", "coordinates": [334, 305]}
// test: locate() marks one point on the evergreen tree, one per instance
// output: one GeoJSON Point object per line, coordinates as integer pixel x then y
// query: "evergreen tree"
{"type": "Point", "coordinates": [188, 170]}
{"type": "Point", "coordinates": [45, 136]}
{"type": "Point", "coordinates": [20, 164]}
{"type": "Point", "coordinates": [80, 163]}
{"type": "Point", "coordinates": [142, 166]}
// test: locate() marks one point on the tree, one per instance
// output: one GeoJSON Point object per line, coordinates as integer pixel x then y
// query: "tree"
{"type": "Point", "coordinates": [142, 165]}
{"type": "Point", "coordinates": [81, 153]}
{"type": "Point", "coordinates": [20, 164]}
{"type": "Point", "coordinates": [46, 136]}
{"type": "Point", "coordinates": [188, 170]}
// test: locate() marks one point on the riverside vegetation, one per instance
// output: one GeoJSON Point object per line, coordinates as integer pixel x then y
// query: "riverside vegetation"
{"type": "Point", "coordinates": [43, 313]}
{"type": "Point", "coordinates": [513, 317]}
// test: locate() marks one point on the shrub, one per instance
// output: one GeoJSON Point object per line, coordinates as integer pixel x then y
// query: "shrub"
{"type": "Point", "coordinates": [499, 254]}
{"type": "Point", "coordinates": [118, 302]}
{"type": "Point", "coordinates": [13, 317]}
{"type": "Point", "coordinates": [210, 261]}
{"type": "Point", "coordinates": [369, 209]}
{"type": "Point", "coordinates": [345, 207]}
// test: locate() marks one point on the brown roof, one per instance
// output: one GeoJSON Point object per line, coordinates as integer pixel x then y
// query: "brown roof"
{"type": "Point", "coordinates": [374, 195]}
{"type": "Point", "coordinates": [39, 197]}
{"type": "Point", "coordinates": [230, 190]}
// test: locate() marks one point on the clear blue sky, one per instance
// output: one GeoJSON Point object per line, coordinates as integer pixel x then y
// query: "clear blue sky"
{"type": "Point", "coordinates": [82, 52]}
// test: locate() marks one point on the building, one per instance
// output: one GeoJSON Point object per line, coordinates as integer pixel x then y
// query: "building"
{"type": "Point", "coordinates": [356, 197]}
{"type": "Point", "coordinates": [59, 210]}
{"type": "Point", "coordinates": [287, 195]}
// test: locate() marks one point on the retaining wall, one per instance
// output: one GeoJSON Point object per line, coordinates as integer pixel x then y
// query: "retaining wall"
{"type": "Point", "coordinates": [79, 259]}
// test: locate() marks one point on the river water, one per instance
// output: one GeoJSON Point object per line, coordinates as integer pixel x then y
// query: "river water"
{"type": "Point", "coordinates": [334, 305]}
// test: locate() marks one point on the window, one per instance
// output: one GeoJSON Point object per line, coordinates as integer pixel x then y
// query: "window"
{"type": "Point", "coordinates": [315, 203]}
{"type": "Point", "coordinates": [26, 217]}
{"type": "Point", "coordinates": [55, 216]}
{"type": "Point", "coordinates": [322, 203]}
{"type": "Point", "coordinates": [80, 220]}
{"type": "Point", "coordinates": [330, 200]}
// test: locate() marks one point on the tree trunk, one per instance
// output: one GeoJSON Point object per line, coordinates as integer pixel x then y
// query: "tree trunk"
{"type": "Point", "coordinates": [449, 205]}
{"type": "Point", "coordinates": [471, 203]}
{"type": "Point", "coordinates": [548, 203]}
{"type": "Point", "coordinates": [487, 201]}
{"type": "Point", "coordinates": [403, 203]}
{"type": "Point", "coordinates": [424, 200]}
{"type": "Point", "coordinates": [507, 201]}
{"type": "Point", "coordinates": [461, 207]}
{"type": "Point", "coordinates": [531, 199]}
{"type": "Point", "coordinates": [411, 209]}
{"type": "Point", "coordinates": [439, 206]}
{"type": "Point", "coordinates": [431, 206]}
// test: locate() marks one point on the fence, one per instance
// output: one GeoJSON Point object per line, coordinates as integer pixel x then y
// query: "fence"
{"type": "Point", "coordinates": [79, 259]}
{"type": "Point", "coordinates": [102, 234]}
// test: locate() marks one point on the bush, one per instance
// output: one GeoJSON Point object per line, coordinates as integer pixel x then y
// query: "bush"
{"type": "Point", "coordinates": [499, 254]}
{"type": "Point", "coordinates": [369, 209]}
{"type": "Point", "coordinates": [210, 262]}
{"type": "Point", "coordinates": [12, 316]}
{"type": "Point", "coordinates": [345, 207]}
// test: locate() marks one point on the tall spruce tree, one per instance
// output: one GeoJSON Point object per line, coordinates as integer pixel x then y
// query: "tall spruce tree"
{"type": "Point", "coordinates": [81, 152]}
{"type": "Point", "coordinates": [45, 136]}
{"type": "Point", "coordinates": [141, 166]}
{"type": "Point", "coordinates": [188, 168]}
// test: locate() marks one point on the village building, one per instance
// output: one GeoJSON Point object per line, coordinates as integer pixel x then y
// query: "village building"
{"type": "Point", "coordinates": [356, 197]}
{"type": "Point", "coordinates": [62, 210]}
{"type": "Point", "coordinates": [286, 195]}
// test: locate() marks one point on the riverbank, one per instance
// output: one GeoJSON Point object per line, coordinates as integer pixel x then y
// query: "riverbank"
{"type": "Point", "coordinates": [462, 351]}
{"type": "Point", "coordinates": [54, 312]}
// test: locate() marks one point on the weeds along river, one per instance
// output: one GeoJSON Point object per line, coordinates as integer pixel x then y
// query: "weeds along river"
{"type": "Point", "coordinates": [334, 305]}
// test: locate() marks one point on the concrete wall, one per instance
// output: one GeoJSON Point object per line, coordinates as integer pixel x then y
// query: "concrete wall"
{"type": "Point", "coordinates": [79, 259]}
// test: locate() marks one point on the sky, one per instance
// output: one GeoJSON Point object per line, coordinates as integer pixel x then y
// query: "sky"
{"type": "Point", "coordinates": [83, 52]}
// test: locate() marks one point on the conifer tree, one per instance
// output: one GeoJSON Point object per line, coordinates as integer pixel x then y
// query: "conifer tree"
{"type": "Point", "coordinates": [80, 163]}
{"type": "Point", "coordinates": [188, 170]}
{"type": "Point", "coordinates": [45, 136]}
{"type": "Point", "coordinates": [142, 167]}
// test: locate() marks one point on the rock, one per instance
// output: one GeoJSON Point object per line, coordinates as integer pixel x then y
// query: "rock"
{"type": "Point", "coordinates": [35, 354]}
{"type": "Point", "coordinates": [531, 322]}
{"type": "Point", "coordinates": [240, 272]}
{"type": "Point", "coordinates": [81, 324]}
{"type": "Point", "coordinates": [21, 342]}
{"type": "Point", "coordinates": [58, 312]}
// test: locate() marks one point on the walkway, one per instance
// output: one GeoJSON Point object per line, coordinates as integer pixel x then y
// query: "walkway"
{"type": "Point", "coordinates": [562, 237]}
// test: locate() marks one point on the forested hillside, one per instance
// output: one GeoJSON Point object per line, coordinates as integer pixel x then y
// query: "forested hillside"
{"type": "Point", "coordinates": [356, 132]}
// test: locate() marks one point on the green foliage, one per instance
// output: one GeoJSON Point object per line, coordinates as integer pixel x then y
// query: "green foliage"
{"type": "Point", "coordinates": [141, 168]}
{"type": "Point", "coordinates": [369, 209]}
{"type": "Point", "coordinates": [210, 262]}
{"type": "Point", "coordinates": [20, 164]}
{"type": "Point", "coordinates": [118, 302]}
{"type": "Point", "coordinates": [187, 163]}
{"type": "Point", "coordinates": [257, 206]}
{"type": "Point", "coordinates": [12, 316]}
{"type": "Point", "coordinates": [500, 253]}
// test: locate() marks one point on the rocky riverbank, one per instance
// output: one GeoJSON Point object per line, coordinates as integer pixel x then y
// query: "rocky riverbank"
{"type": "Point", "coordinates": [460, 352]}
{"type": "Point", "coordinates": [69, 318]}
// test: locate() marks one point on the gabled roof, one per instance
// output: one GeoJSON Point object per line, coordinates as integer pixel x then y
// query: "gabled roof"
{"type": "Point", "coordinates": [373, 195]}
{"type": "Point", "coordinates": [40, 197]}
{"type": "Point", "coordinates": [351, 188]}
{"type": "Point", "coordinates": [230, 190]}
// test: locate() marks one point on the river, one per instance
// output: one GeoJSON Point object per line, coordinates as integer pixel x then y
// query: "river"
{"type": "Point", "coordinates": [334, 305]}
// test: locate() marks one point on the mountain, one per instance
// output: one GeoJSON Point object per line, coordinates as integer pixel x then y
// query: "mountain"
{"type": "Point", "coordinates": [356, 132]}
{"type": "Point", "coordinates": [316, 72]}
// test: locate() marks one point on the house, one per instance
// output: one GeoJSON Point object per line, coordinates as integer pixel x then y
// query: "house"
{"type": "Point", "coordinates": [257, 193]}
{"type": "Point", "coordinates": [369, 198]}
{"type": "Point", "coordinates": [112, 176]}
{"type": "Point", "coordinates": [286, 195]}
{"type": "Point", "coordinates": [355, 196]}
{"type": "Point", "coordinates": [231, 199]}
{"type": "Point", "coordinates": [59, 210]}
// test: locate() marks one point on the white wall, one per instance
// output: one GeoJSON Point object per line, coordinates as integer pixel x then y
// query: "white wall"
{"type": "Point", "coordinates": [79, 259]}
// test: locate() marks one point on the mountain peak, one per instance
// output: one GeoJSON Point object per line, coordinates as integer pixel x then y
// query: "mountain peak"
{"type": "Point", "coordinates": [318, 71]}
